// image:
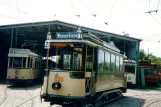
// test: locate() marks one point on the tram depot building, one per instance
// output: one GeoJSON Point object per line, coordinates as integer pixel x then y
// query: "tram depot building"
{"type": "Point", "coordinates": [33, 36]}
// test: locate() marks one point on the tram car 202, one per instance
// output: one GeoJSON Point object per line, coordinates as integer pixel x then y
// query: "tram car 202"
{"type": "Point", "coordinates": [24, 66]}
{"type": "Point", "coordinates": [82, 69]}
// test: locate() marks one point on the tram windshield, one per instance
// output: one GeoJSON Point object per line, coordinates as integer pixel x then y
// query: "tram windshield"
{"type": "Point", "coordinates": [17, 62]}
{"type": "Point", "coordinates": [130, 69]}
{"type": "Point", "coordinates": [66, 58]}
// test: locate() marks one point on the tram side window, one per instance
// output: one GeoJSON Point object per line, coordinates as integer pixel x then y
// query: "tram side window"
{"type": "Point", "coordinates": [121, 64]}
{"type": "Point", "coordinates": [28, 65]}
{"type": "Point", "coordinates": [11, 61]}
{"type": "Point", "coordinates": [117, 63]}
{"type": "Point", "coordinates": [107, 61]}
{"type": "Point", "coordinates": [100, 60]}
{"type": "Point", "coordinates": [17, 62]}
{"type": "Point", "coordinates": [89, 59]}
{"type": "Point", "coordinates": [24, 62]}
{"type": "Point", "coordinates": [113, 64]}
{"type": "Point", "coordinates": [29, 62]}
{"type": "Point", "coordinates": [35, 63]}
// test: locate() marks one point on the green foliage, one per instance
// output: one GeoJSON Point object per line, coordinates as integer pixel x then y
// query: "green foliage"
{"type": "Point", "coordinates": [145, 56]}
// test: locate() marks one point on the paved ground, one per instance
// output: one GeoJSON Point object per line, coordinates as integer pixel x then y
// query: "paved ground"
{"type": "Point", "coordinates": [30, 97]}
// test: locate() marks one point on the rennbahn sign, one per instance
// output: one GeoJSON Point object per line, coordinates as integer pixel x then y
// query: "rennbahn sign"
{"type": "Point", "coordinates": [68, 35]}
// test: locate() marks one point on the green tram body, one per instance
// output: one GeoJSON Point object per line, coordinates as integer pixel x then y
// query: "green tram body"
{"type": "Point", "coordinates": [81, 71]}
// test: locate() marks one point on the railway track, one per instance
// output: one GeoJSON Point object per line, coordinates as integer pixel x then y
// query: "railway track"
{"type": "Point", "coordinates": [155, 101]}
{"type": "Point", "coordinates": [5, 96]}
{"type": "Point", "coordinates": [31, 99]}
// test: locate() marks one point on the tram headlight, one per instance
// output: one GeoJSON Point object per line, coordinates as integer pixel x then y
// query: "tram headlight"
{"type": "Point", "coordinates": [49, 36]}
{"type": "Point", "coordinates": [56, 85]}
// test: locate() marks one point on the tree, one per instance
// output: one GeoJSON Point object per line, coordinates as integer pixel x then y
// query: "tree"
{"type": "Point", "coordinates": [144, 56]}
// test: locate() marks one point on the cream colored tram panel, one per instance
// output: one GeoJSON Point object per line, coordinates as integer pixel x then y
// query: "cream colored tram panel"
{"type": "Point", "coordinates": [69, 87]}
{"type": "Point", "coordinates": [19, 73]}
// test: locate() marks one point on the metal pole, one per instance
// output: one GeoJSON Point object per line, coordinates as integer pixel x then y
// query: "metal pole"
{"type": "Point", "coordinates": [11, 38]}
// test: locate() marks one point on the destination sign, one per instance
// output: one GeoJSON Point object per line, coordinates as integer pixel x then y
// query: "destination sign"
{"type": "Point", "coordinates": [19, 51]}
{"type": "Point", "coordinates": [68, 35]}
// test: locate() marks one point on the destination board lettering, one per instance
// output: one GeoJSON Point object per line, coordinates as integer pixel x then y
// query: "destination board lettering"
{"type": "Point", "coordinates": [67, 35]}
{"type": "Point", "coordinates": [19, 51]}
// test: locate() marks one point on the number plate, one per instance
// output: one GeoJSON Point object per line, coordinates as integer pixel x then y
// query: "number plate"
{"type": "Point", "coordinates": [47, 45]}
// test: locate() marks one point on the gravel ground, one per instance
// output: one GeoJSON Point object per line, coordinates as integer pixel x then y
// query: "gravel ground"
{"type": "Point", "coordinates": [30, 97]}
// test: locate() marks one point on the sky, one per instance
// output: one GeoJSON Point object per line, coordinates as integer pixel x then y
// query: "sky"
{"type": "Point", "coordinates": [121, 15]}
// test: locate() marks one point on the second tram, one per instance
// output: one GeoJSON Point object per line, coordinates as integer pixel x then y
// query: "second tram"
{"type": "Point", "coordinates": [23, 66]}
{"type": "Point", "coordinates": [130, 69]}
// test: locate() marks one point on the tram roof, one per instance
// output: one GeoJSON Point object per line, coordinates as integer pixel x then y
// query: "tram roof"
{"type": "Point", "coordinates": [56, 25]}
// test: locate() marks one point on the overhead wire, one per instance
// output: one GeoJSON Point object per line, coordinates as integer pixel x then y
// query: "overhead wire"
{"type": "Point", "coordinates": [110, 12]}
{"type": "Point", "coordinates": [13, 18]}
{"type": "Point", "coordinates": [158, 5]}
{"type": "Point", "coordinates": [74, 9]}
{"type": "Point", "coordinates": [149, 5]}
{"type": "Point", "coordinates": [155, 19]}
{"type": "Point", "coordinates": [17, 7]}
{"type": "Point", "coordinates": [86, 6]}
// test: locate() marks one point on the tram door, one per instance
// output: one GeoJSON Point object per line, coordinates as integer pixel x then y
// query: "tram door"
{"type": "Point", "coordinates": [90, 69]}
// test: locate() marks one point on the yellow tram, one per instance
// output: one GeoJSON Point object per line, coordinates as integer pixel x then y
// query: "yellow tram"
{"type": "Point", "coordinates": [82, 69]}
{"type": "Point", "coordinates": [24, 66]}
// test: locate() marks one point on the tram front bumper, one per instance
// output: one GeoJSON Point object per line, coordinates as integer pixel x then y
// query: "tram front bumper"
{"type": "Point", "coordinates": [48, 97]}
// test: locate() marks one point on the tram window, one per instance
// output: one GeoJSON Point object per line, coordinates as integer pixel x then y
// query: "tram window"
{"type": "Point", "coordinates": [35, 63]}
{"type": "Point", "coordinates": [89, 63]}
{"type": "Point", "coordinates": [130, 68]}
{"type": "Point", "coordinates": [121, 64]}
{"type": "Point", "coordinates": [100, 60]}
{"type": "Point", "coordinates": [11, 60]}
{"type": "Point", "coordinates": [31, 63]}
{"type": "Point", "coordinates": [117, 63]}
{"type": "Point", "coordinates": [113, 64]}
{"type": "Point", "coordinates": [66, 61]}
{"type": "Point", "coordinates": [89, 59]}
{"type": "Point", "coordinates": [107, 61]}
{"type": "Point", "coordinates": [28, 65]}
{"type": "Point", "coordinates": [24, 62]}
{"type": "Point", "coordinates": [77, 59]}
{"type": "Point", "coordinates": [17, 62]}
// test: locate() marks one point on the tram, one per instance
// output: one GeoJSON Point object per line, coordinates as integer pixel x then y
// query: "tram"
{"type": "Point", "coordinates": [24, 66]}
{"type": "Point", "coordinates": [82, 69]}
{"type": "Point", "coordinates": [130, 67]}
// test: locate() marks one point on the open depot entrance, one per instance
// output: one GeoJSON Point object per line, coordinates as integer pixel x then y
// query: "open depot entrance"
{"type": "Point", "coordinates": [32, 36]}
